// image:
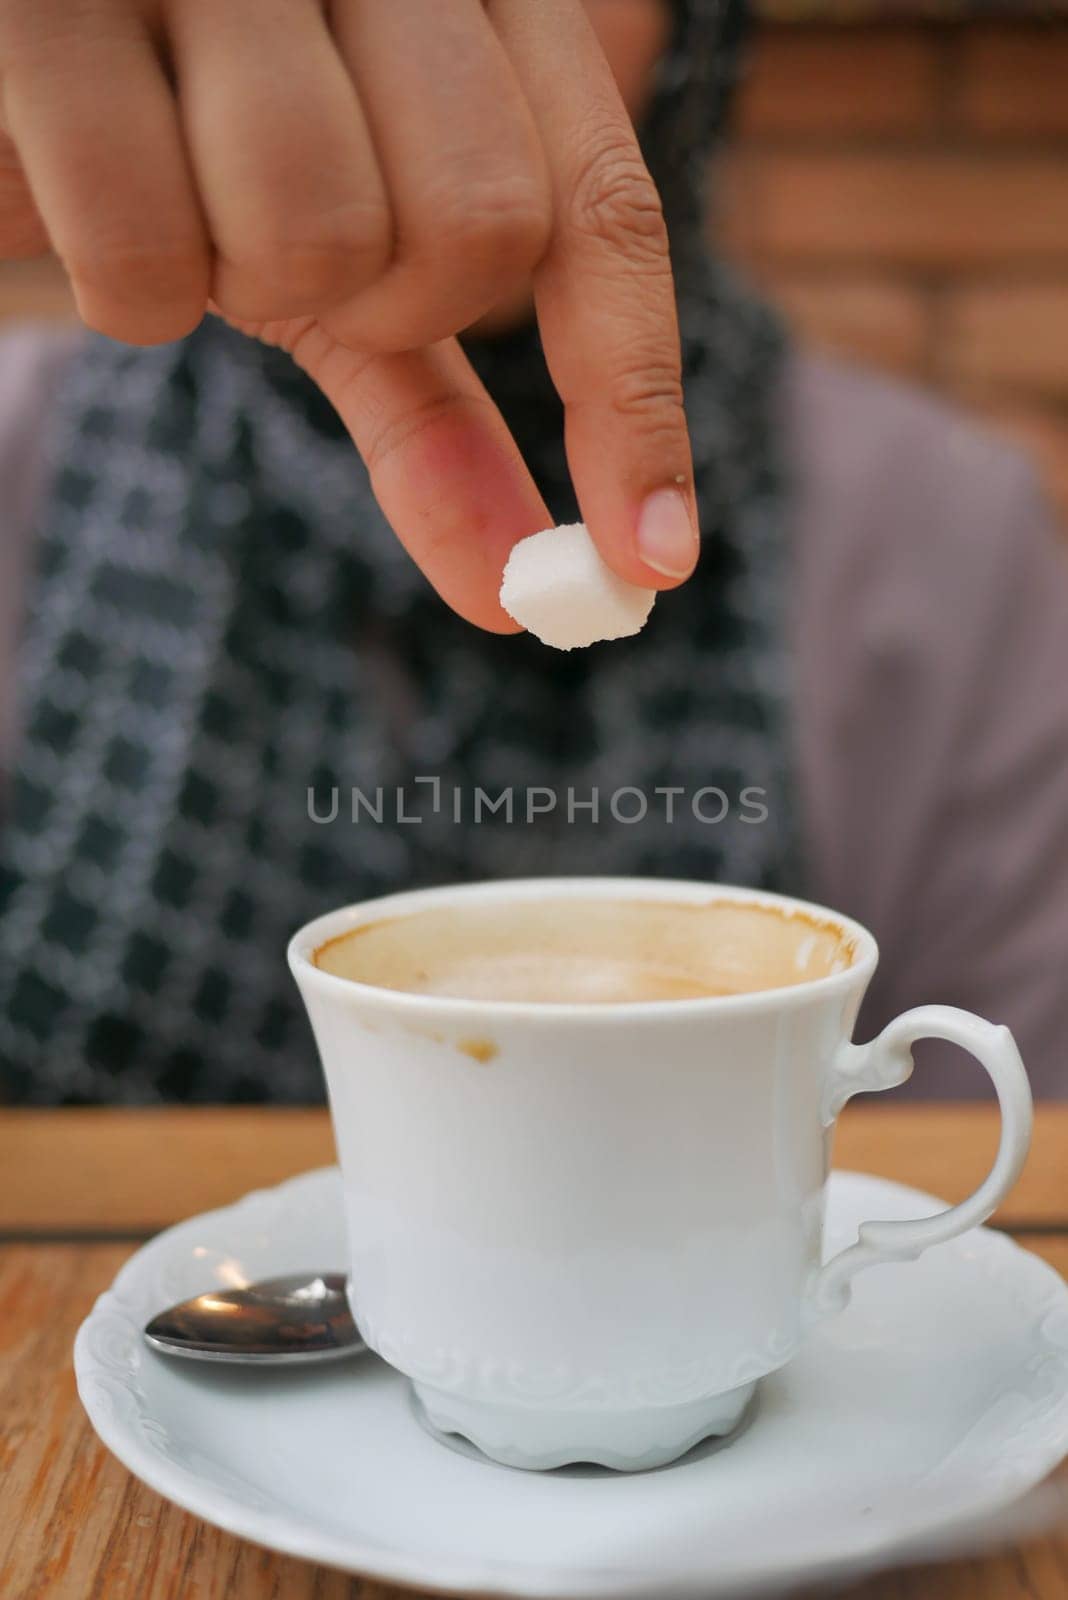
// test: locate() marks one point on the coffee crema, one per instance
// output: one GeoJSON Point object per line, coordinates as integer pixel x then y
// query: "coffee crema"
{"type": "Point", "coordinates": [563, 950]}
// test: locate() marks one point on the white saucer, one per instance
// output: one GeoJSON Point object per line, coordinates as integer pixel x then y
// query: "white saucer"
{"type": "Point", "coordinates": [941, 1394]}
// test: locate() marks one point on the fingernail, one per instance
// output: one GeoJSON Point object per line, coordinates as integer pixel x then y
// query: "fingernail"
{"type": "Point", "coordinates": [666, 538]}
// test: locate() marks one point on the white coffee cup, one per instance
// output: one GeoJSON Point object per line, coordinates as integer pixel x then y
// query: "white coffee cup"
{"type": "Point", "coordinates": [583, 1230]}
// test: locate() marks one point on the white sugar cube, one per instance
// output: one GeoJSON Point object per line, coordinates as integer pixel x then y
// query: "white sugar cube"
{"type": "Point", "coordinates": [556, 586]}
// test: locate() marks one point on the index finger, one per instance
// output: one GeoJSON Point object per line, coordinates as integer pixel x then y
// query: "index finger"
{"type": "Point", "coordinates": [605, 299]}
{"type": "Point", "coordinates": [444, 468]}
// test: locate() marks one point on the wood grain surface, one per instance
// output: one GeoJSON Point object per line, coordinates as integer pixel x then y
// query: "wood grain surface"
{"type": "Point", "coordinates": [77, 1526]}
{"type": "Point", "coordinates": [134, 1171]}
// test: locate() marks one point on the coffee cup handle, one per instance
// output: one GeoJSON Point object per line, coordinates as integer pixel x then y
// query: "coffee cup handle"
{"type": "Point", "coordinates": [882, 1064]}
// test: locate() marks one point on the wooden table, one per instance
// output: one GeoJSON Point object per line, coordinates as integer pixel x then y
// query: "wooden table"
{"type": "Point", "coordinates": [79, 1189]}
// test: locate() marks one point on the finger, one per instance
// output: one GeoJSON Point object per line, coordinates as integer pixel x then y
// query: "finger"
{"type": "Point", "coordinates": [22, 233]}
{"type": "Point", "coordinates": [92, 116]}
{"type": "Point", "coordinates": [444, 468]}
{"type": "Point", "coordinates": [605, 300]}
{"type": "Point", "coordinates": [285, 165]}
{"type": "Point", "coordinates": [462, 162]}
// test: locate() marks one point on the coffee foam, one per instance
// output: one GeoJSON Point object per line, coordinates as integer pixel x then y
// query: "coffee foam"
{"type": "Point", "coordinates": [589, 952]}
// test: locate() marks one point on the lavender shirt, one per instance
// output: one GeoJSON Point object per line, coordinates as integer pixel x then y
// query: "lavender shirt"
{"type": "Point", "coordinates": [930, 623]}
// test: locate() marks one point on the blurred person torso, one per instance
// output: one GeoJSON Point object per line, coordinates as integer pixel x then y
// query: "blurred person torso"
{"type": "Point", "coordinates": [240, 704]}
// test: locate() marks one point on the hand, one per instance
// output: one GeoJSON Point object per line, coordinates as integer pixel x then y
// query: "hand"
{"type": "Point", "coordinates": [358, 183]}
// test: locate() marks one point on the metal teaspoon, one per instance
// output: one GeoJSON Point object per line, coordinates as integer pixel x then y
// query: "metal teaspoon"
{"type": "Point", "coordinates": [300, 1318]}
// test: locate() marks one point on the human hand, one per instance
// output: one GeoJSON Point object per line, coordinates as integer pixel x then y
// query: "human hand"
{"type": "Point", "coordinates": [358, 183]}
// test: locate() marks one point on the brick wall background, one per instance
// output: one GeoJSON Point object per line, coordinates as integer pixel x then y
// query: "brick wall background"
{"type": "Point", "coordinates": [901, 189]}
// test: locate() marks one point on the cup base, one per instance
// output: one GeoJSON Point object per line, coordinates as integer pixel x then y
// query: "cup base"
{"type": "Point", "coordinates": [627, 1441]}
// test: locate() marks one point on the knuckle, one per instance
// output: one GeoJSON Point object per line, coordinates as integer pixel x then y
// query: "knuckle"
{"type": "Point", "coordinates": [614, 200]}
{"type": "Point", "coordinates": [504, 224]}
{"type": "Point", "coordinates": [143, 295]}
{"type": "Point", "coordinates": [395, 434]}
{"type": "Point", "coordinates": [338, 252]}
{"type": "Point", "coordinates": [139, 273]}
{"type": "Point", "coordinates": [652, 393]}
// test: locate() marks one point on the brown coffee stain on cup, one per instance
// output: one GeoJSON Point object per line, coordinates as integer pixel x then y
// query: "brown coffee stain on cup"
{"type": "Point", "coordinates": [482, 1050]}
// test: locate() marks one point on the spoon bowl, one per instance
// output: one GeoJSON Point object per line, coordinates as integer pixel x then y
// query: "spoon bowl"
{"type": "Point", "coordinates": [299, 1318]}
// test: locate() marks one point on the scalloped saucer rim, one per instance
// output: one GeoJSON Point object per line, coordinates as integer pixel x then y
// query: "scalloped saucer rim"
{"type": "Point", "coordinates": [208, 1443]}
